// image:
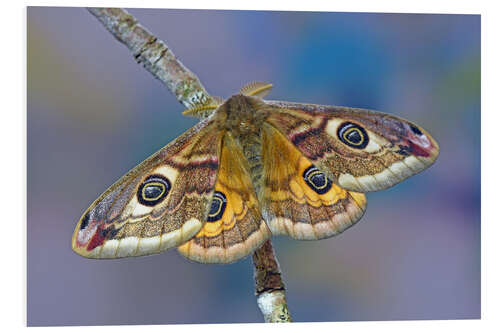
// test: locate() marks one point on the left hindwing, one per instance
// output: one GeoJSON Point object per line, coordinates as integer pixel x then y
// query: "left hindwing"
{"type": "Point", "coordinates": [234, 227]}
{"type": "Point", "coordinates": [360, 150]}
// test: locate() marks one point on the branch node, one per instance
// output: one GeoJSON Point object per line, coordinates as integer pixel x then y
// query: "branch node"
{"type": "Point", "coordinates": [269, 287]}
{"type": "Point", "coordinates": [273, 306]}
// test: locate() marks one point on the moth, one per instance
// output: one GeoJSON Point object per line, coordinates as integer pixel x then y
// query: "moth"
{"type": "Point", "coordinates": [249, 169]}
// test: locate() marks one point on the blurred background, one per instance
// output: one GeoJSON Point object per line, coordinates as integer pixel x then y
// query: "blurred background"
{"type": "Point", "coordinates": [93, 114]}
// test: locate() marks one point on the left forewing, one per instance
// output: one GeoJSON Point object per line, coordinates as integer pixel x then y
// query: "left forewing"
{"type": "Point", "coordinates": [158, 205]}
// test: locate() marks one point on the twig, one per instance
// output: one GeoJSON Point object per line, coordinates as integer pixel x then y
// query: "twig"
{"type": "Point", "coordinates": [269, 287]}
{"type": "Point", "coordinates": [154, 55]}
{"type": "Point", "coordinates": [187, 88]}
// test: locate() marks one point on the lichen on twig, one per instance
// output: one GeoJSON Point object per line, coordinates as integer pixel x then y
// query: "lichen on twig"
{"type": "Point", "coordinates": [154, 54]}
{"type": "Point", "coordinates": [160, 61]}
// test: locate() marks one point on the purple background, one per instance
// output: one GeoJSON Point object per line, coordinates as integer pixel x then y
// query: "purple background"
{"type": "Point", "coordinates": [93, 114]}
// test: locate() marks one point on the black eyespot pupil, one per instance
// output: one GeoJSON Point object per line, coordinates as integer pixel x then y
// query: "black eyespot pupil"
{"type": "Point", "coordinates": [153, 190]}
{"type": "Point", "coordinates": [317, 180]}
{"type": "Point", "coordinates": [416, 130]}
{"type": "Point", "coordinates": [217, 207]}
{"type": "Point", "coordinates": [352, 135]}
{"type": "Point", "coordinates": [214, 207]}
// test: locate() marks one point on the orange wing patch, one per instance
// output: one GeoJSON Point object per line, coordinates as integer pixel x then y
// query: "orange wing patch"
{"type": "Point", "coordinates": [230, 209]}
{"type": "Point", "coordinates": [234, 227]}
{"type": "Point", "coordinates": [298, 199]}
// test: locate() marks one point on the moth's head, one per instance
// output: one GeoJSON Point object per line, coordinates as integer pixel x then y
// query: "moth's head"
{"type": "Point", "coordinates": [253, 90]}
{"type": "Point", "coordinates": [239, 103]}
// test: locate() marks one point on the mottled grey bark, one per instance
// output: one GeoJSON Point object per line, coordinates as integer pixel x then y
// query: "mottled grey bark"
{"type": "Point", "coordinates": [156, 57]}
{"type": "Point", "coordinates": [269, 287]}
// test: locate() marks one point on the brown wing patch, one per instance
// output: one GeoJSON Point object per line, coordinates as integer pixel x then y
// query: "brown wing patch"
{"type": "Point", "coordinates": [158, 205]}
{"type": "Point", "coordinates": [234, 227]}
{"type": "Point", "coordinates": [298, 199]}
{"type": "Point", "coordinates": [361, 150]}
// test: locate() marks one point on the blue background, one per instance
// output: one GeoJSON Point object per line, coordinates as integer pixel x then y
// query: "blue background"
{"type": "Point", "coordinates": [93, 114]}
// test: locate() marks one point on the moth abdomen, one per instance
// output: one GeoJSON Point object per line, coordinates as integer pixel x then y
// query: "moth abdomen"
{"type": "Point", "coordinates": [252, 150]}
